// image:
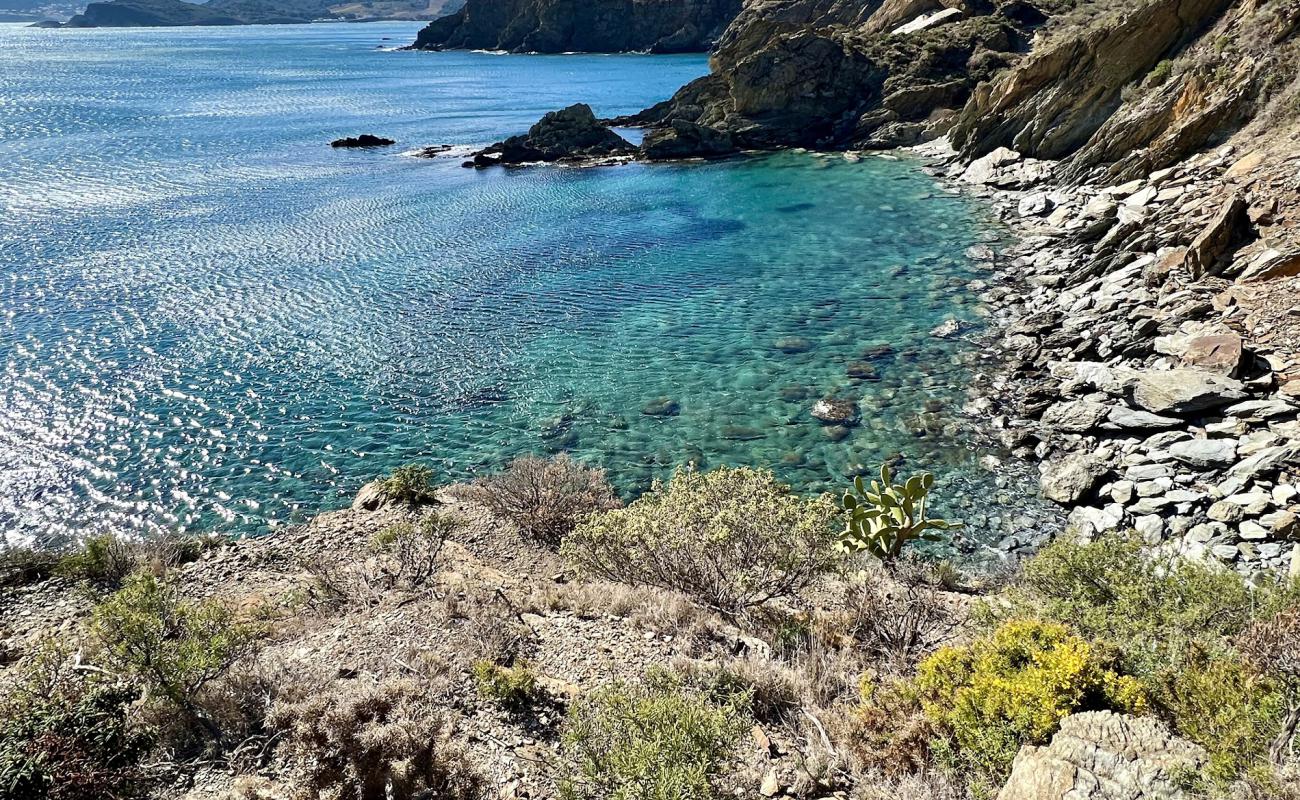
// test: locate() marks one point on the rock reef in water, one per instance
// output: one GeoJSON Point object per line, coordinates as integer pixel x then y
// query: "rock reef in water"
{"type": "Point", "coordinates": [570, 134]}
{"type": "Point", "coordinates": [362, 141]}
{"type": "Point", "coordinates": [593, 26]}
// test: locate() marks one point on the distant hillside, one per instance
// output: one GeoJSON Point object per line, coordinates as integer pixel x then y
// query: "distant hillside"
{"type": "Point", "coordinates": [169, 13]}
{"type": "Point", "coordinates": [593, 26]}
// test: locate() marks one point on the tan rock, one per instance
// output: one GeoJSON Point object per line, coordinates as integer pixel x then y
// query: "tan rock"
{"type": "Point", "coordinates": [1100, 755]}
{"type": "Point", "coordinates": [1221, 353]}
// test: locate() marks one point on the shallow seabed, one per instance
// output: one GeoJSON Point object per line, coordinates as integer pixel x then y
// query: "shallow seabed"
{"type": "Point", "coordinates": [212, 320]}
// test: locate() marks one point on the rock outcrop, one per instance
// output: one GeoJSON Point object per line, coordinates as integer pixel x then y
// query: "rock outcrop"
{"type": "Point", "coordinates": [597, 26]}
{"type": "Point", "coordinates": [175, 13]}
{"type": "Point", "coordinates": [364, 140]}
{"type": "Point", "coordinates": [570, 134]}
{"type": "Point", "coordinates": [1100, 755]}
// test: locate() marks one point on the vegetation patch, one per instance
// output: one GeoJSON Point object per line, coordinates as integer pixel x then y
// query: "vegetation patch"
{"type": "Point", "coordinates": [733, 538]}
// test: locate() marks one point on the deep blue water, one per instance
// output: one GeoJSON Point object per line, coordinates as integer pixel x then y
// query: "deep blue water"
{"type": "Point", "coordinates": [210, 319]}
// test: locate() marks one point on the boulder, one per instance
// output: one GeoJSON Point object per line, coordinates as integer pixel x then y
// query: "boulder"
{"type": "Point", "coordinates": [1135, 419]}
{"type": "Point", "coordinates": [372, 497]}
{"type": "Point", "coordinates": [364, 140]}
{"type": "Point", "coordinates": [1101, 755]}
{"type": "Point", "coordinates": [1075, 416]}
{"type": "Point", "coordinates": [1184, 391]}
{"type": "Point", "coordinates": [570, 134]}
{"type": "Point", "coordinates": [1212, 248]}
{"type": "Point", "coordinates": [1205, 453]}
{"type": "Point", "coordinates": [1222, 354]}
{"type": "Point", "coordinates": [1068, 479]}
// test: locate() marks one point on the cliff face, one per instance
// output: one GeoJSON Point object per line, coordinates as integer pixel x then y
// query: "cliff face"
{"type": "Point", "coordinates": [1132, 87]}
{"type": "Point", "coordinates": [558, 26]}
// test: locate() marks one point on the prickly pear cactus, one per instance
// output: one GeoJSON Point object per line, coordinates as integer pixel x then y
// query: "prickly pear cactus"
{"type": "Point", "coordinates": [884, 517]}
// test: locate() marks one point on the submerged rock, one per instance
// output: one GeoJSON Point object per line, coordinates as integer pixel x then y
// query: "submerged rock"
{"type": "Point", "coordinates": [661, 407]}
{"type": "Point", "coordinates": [836, 411]}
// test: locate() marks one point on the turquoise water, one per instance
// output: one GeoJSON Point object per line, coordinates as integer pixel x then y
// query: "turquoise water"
{"type": "Point", "coordinates": [210, 319]}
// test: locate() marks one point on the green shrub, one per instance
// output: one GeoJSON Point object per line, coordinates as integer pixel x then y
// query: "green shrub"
{"type": "Point", "coordinates": [383, 741]}
{"type": "Point", "coordinates": [1152, 607]}
{"type": "Point", "coordinates": [1222, 706]}
{"type": "Point", "coordinates": [654, 740]}
{"type": "Point", "coordinates": [103, 560]}
{"type": "Point", "coordinates": [412, 551]}
{"type": "Point", "coordinates": [21, 566]}
{"type": "Point", "coordinates": [67, 734]}
{"type": "Point", "coordinates": [732, 538]}
{"type": "Point", "coordinates": [412, 484]}
{"type": "Point", "coordinates": [513, 688]}
{"type": "Point", "coordinates": [885, 517]}
{"type": "Point", "coordinates": [546, 497]}
{"type": "Point", "coordinates": [173, 646]}
{"type": "Point", "coordinates": [1014, 686]}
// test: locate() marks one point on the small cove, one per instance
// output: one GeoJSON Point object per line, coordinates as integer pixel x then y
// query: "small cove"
{"type": "Point", "coordinates": [212, 321]}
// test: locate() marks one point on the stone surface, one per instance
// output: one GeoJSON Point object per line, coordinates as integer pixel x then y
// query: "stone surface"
{"type": "Point", "coordinates": [1100, 755]}
{"type": "Point", "coordinates": [1204, 453]}
{"type": "Point", "coordinates": [1066, 480]}
{"type": "Point", "coordinates": [1184, 391]}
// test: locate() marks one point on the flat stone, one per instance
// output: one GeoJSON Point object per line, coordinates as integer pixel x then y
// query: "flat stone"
{"type": "Point", "coordinates": [1261, 409]}
{"type": "Point", "coordinates": [1136, 419]}
{"type": "Point", "coordinates": [1265, 461]}
{"type": "Point", "coordinates": [1205, 453]}
{"type": "Point", "coordinates": [1225, 511]}
{"type": "Point", "coordinates": [1184, 391]}
{"type": "Point", "coordinates": [1148, 472]}
{"type": "Point", "coordinates": [1075, 416]}
{"type": "Point", "coordinates": [1122, 492]}
{"type": "Point", "coordinates": [1252, 531]}
{"type": "Point", "coordinates": [833, 411]}
{"type": "Point", "coordinates": [1221, 353]}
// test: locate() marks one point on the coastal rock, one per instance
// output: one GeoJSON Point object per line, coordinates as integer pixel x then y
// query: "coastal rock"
{"type": "Point", "coordinates": [580, 26]}
{"type": "Point", "coordinates": [570, 134]}
{"type": "Point", "coordinates": [1076, 416]}
{"type": "Point", "coordinates": [1210, 251]}
{"type": "Point", "coordinates": [1184, 391]}
{"type": "Point", "coordinates": [1068, 479]}
{"type": "Point", "coordinates": [685, 139]}
{"type": "Point", "coordinates": [364, 140]}
{"type": "Point", "coordinates": [1205, 453]}
{"type": "Point", "coordinates": [1134, 419]}
{"type": "Point", "coordinates": [1101, 755]}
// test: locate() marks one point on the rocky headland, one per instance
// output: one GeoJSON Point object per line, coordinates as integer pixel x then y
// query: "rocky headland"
{"type": "Point", "coordinates": [595, 26]}
{"type": "Point", "coordinates": [175, 13]}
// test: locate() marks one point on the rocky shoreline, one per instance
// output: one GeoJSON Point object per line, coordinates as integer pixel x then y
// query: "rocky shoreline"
{"type": "Point", "coordinates": [1156, 394]}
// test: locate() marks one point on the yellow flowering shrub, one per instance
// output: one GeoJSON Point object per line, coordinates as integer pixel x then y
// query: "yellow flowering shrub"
{"type": "Point", "coordinates": [1014, 686]}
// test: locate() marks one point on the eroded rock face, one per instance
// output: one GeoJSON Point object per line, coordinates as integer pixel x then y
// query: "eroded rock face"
{"type": "Point", "coordinates": [1053, 101]}
{"type": "Point", "coordinates": [831, 73]}
{"type": "Point", "coordinates": [570, 134]}
{"type": "Point", "coordinates": [1100, 755]}
{"type": "Point", "coordinates": [594, 26]}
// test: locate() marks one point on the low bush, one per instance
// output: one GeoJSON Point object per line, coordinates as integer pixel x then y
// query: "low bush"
{"type": "Point", "coordinates": [412, 484]}
{"type": "Point", "coordinates": [898, 619]}
{"type": "Point", "coordinates": [734, 539]}
{"type": "Point", "coordinates": [887, 733]}
{"type": "Point", "coordinates": [21, 566]}
{"type": "Point", "coordinates": [412, 551]}
{"type": "Point", "coordinates": [1219, 704]}
{"type": "Point", "coordinates": [1014, 686]}
{"type": "Point", "coordinates": [513, 688]}
{"type": "Point", "coordinates": [1152, 607]}
{"type": "Point", "coordinates": [385, 741]}
{"type": "Point", "coordinates": [773, 689]}
{"type": "Point", "coordinates": [546, 497]}
{"type": "Point", "coordinates": [1271, 648]}
{"type": "Point", "coordinates": [103, 560]}
{"type": "Point", "coordinates": [649, 741]}
{"type": "Point", "coordinates": [173, 646]}
{"type": "Point", "coordinates": [68, 734]}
